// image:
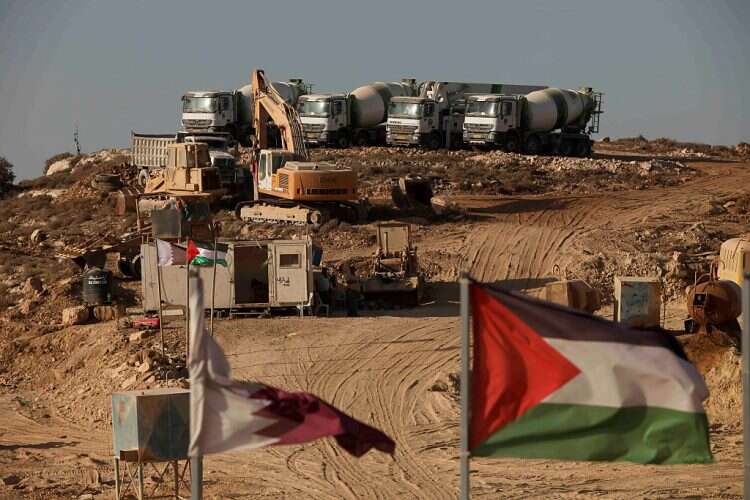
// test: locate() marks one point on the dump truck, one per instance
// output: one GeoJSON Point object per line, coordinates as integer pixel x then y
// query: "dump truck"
{"type": "Point", "coordinates": [435, 117]}
{"type": "Point", "coordinates": [148, 155]}
{"type": "Point", "coordinates": [395, 277]}
{"type": "Point", "coordinates": [359, 117]}
{"type": "Point", "coordinates": [230, 112]}
{"type": "Point", "coordinates": [552, 120]}
{"type": "Point", "coordinates": [287, 186]}
{"type": "Point", "coordinates": [260, 274]}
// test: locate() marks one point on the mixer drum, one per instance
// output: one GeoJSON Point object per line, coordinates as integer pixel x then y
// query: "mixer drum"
{"type": "Point", "coordinates": [714, 302]}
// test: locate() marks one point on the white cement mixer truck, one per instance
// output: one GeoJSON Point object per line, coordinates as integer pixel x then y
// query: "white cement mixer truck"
{"type": "Point", "coordinates": [356, 118]}
{"type": "Point", "coordinates": [229, 112]}
{"type": "Point", "coordinates": [552, 120]}
{"type": "Point", "coordinates": [434, 118]}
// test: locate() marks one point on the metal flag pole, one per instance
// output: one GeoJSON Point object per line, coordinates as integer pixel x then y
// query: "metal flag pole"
{"type": "Point", "coordinates": [745, 347]}
{"type": "Point", "coordinates": [187, 306]}
{"type": "Point", "coordinates": [158, 286]}
{"type": "Point", "coordinates": [465, 388]}
{"type": "Point", "coordinates": [196, 477]}
{"type": "Point", "coordinates": [213, 281]}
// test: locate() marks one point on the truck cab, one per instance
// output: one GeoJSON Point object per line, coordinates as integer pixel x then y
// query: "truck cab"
{"type": "Point", "coordinates": [489, 117]}
{"type": "Point", "coordinates": [233, 177]}
{"type": "Point", "coordinates": [420, 121]}
{"type": "Point", "coordinates": [209, 111]}
{"type": "Point", "coordinates": [325, 119]}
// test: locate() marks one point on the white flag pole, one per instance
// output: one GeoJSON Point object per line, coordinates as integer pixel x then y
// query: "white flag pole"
{"type": "Point", "coordinates": [745, 346]}
{"type": "Point", "coordinates": [158, 286]}
{"type": "Point", "coordinates": [465, 389]}
{"type": "Point", "coordinates": [213, 281]}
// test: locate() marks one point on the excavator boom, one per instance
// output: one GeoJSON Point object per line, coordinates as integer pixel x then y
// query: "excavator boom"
{"type": "Point", "coordinates": [269, 105]}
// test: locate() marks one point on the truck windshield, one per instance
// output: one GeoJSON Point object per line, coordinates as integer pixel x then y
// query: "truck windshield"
{"type": "Point", "coordinates": [407, 109]}
{"type": "Point", "coordinates": [482, 108]}
{"type": "Point", "coordinates": [314, 108]}
{"type": "Point", "coordinates": [191, 104]}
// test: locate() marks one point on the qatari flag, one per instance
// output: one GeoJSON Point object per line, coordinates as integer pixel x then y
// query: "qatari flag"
{"type": "Point", "coordinates": [228, 415]}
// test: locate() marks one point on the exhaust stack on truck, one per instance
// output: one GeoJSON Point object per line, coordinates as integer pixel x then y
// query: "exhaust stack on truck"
{"type": "Point", "coordinates": [356, 118]}
{"type": "Point", "coordinates": [552, 120]}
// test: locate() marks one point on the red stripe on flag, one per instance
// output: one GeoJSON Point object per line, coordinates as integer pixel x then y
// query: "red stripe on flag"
{"type": "Point", "coordinates": [192, 251]}
{"type": "Point", "coordinates": [514, 368]}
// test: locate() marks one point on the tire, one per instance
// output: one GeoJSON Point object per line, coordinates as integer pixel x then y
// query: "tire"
{"type": "Point", "coordinates": [512, 144]}
{"type": "Point", "coordinates": [433, 141]}
{"type": "Point", "coordinates": [583, 149]}
{"type": "Point", "coordinates": [362, 140]}
{"type": "Point", "coordinates": [143, 178]}
{"type": "Point", "coordinates": [565, 148]}
{"type": "Point", "coordinates": [533, 145]}
{"type": "Point", "coordinates": [342, 141]}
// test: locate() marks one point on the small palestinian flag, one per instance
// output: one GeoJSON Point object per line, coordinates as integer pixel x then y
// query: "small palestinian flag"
{"type": "Point", "coordinates": [549, 382]}
{"type": "Point", "coordinates": [203, 254]}
{"type": "Point", "coordinates": [169, 254]}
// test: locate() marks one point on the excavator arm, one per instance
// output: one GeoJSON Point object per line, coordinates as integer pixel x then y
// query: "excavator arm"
{"type": "Point", "coordinates": [269, 105]}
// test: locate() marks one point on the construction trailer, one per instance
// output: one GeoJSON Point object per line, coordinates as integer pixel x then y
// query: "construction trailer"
{"type": "Point", "coordinates": [260, 274]}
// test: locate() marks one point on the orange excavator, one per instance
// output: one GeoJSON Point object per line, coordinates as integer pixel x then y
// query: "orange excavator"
{"type": "Point", "coordinates": [287, 186]}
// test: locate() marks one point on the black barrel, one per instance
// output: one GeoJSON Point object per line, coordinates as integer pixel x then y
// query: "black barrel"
{"type": "Point", "coordinates": [96, 287]}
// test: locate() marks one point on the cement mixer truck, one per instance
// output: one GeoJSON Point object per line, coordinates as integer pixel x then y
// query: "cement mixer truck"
{"type": "Point", "coordinates": [435, 117]}
{"type": "Point", "coordinates": [552, 120]}
{"type": "Point", "coordinates": [230, 112]}
{"type": "Point", "coordinates": [358, 117]}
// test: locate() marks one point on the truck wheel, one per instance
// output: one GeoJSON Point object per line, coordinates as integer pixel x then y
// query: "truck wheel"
{"type": "Point", "coordinates": [342, 141]}
{"type": "Point", "coordinates": [533, 145]}
{"type": "Point", "coordinates": [433, 141]}
{"type": "Point", "coordinates": [362, 140]}
{"type": "Point", "coordinates": [511, 144]}
{"type": "Point", "coordinates": [142, 178]}
{"type": "Point", "coordinates": [583, 149]}
{"type": "Point", "coordinates": [565, 148]}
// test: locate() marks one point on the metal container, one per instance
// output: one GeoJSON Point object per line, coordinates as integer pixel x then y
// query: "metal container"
{"type": "Point", "coordinates": [370, 102]}
{"type": "Point", "coordinates": [96, 287]}
{"type": "Point", "coordinates": [638, 301]}
{"type": "Point", "coordinates": [551, 109]}
{"type": "Point", "coordinates": [151, 425]}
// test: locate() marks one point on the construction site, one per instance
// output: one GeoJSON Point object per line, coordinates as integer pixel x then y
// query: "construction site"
{"type": "Point", "coordinates": [334, 227]}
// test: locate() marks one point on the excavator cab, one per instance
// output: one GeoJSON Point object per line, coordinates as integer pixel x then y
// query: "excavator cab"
{"type": "Point", "coordinates": [269, 162]}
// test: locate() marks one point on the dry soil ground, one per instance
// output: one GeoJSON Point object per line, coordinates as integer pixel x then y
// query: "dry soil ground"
{"type": "Point", "coordinates": [392, 369]}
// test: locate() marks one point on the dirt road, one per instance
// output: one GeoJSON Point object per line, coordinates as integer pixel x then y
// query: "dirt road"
{"type": "Point", "coordinates": [383, 370]}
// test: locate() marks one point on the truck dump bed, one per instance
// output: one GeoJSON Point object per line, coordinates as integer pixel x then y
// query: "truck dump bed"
{"type": "Point", "coordinates": [149, 150]}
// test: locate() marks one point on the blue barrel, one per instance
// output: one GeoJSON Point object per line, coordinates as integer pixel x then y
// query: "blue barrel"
{"type": "Point", "coordinates": [96, 287]}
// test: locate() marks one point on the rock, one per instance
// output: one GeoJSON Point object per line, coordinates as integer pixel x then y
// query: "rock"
{"type": "Point", "coordinates": [729, 204]}
{"type": "Point", "coordinates": [37, 236]}
{"type": "Point", "coordinates": [32, 285]}
{"type": "Point", "coordinates": [144, 367]}
{"type": "Point", "coordinates": [86, 496]}
{"type": "Point", "coordinates": [140, 335]}
{"type": "Point", "coordinates": [75, 315]}
{"type": "Point", "coordinates": [60, 166]}
{"type": "Point", "coordinates": [108, 313]}
{"type": "Point", "coordinates": [439, 386]}
{"type": "Point", "coordinates": [11, 480]}
{"type": "Point", "coordinates": [27, 306]}
{"type": "Point", "coordinates": [129, 382]}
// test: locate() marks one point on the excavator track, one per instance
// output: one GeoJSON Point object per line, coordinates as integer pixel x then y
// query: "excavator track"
{"type": "Point", "coordinates": [290, 212]}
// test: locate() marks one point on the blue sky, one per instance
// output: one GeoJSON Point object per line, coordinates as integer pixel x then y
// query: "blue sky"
{"type": "Point", "coordinates": [668, 68]}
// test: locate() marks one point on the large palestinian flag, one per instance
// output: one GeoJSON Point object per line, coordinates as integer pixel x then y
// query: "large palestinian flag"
{"type": "Point", "coordinates": [549, 382]}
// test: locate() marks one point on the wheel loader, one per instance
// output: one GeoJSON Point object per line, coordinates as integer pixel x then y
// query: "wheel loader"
{"type": "Point", "coordinates": [287, 186]}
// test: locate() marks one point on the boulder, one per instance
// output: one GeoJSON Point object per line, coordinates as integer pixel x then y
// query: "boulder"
{"type": "Point", "coordinates": [37, 236]}
{"type": "Point", "coordinates": [75, 315]}
{"type": "Point", "coordinates": [138, 336]}
{"type": "Point", "coordinates": [60, 166]}
{"type": "Point", "coordinates": [108, 313]}
{"type": "Point", "coordinates": [32, 286]}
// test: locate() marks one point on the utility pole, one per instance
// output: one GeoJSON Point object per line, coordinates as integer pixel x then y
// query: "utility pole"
{"type": "Point", "coordinates": [75, 139]}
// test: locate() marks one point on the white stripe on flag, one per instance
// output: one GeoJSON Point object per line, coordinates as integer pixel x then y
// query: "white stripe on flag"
{"type": "Point", "coordinates": [626, 375]}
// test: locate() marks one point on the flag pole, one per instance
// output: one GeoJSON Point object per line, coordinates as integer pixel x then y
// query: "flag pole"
{"type": "Point", "coordinates": [196, 477]}
{"type": "Point", "coordinates": [465, 388]}
{"type": "Point", "coordinates": [213, 281]}
{"type": "Point", "coordinates": [158, 286]}
{"type": "Point", "coordinates": [745, 346]}
{"type": "Point", "coordinates": [187, 307]}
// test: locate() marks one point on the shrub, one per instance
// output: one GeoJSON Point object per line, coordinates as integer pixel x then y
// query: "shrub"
{"type": "Point", "coordinates": [6, 176]}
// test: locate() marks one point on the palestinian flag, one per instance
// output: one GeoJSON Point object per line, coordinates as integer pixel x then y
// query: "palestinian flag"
{"type": "Point", "coordinates": [170, 254]}
{"type": "Point", "coordinates": [203, 254]}
{"type": "Point", "coordinates": [549, 382]}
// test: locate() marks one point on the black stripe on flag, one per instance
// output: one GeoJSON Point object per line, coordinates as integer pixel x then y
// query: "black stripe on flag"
{"type": "Point", "coordinates": [555, 321]}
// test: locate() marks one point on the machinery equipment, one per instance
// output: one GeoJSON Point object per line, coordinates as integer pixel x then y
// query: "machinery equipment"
{"type": "Point", "coordinates": [713, 307]}
{"type": "Point", "coordinates": [358, 117]}
{"type": "Point", "coordinates": [435, 117]}
{"type": "Point", "coordinates": [230, 112]}
{"type": "Point", "coordinates": [288, 187]}
{"type": "Point", "coordinates": [575, 293]}
{"type": "Point", "coordinates": [395, 273]}
{"type": "Point", "coordinates": [549, 120]}
{"type": "Point", "coordinates": [187, 175]}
